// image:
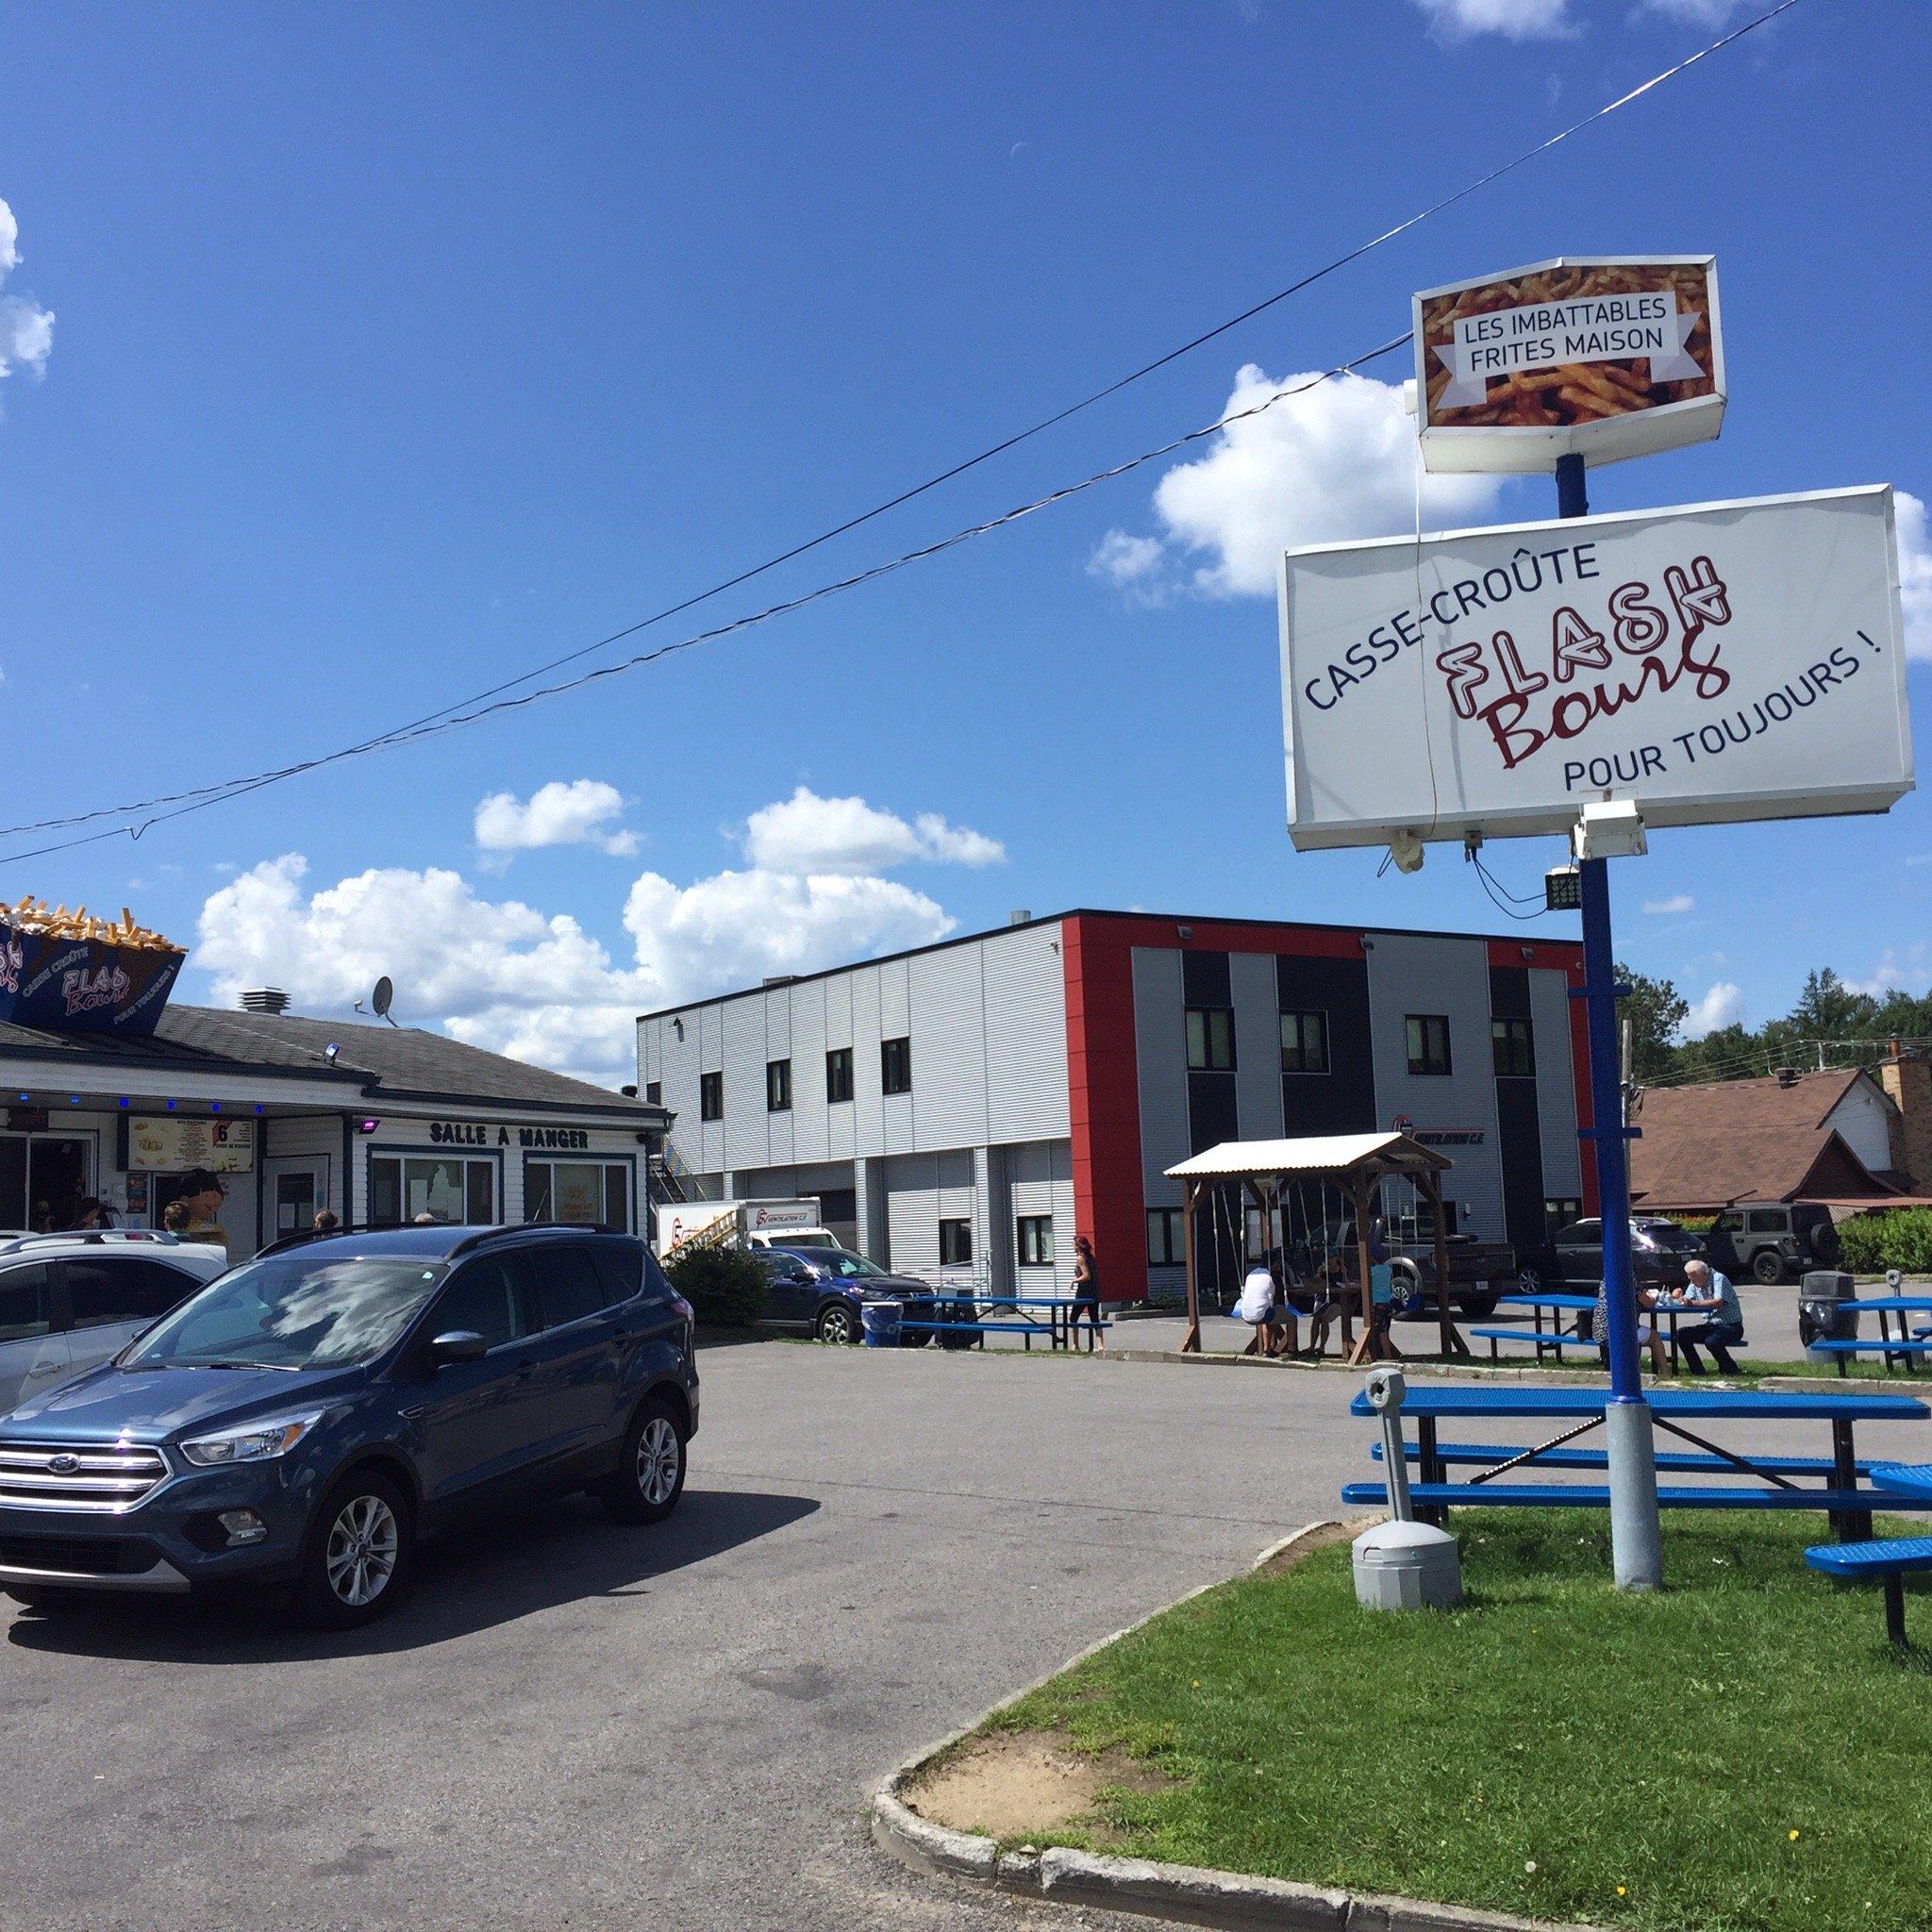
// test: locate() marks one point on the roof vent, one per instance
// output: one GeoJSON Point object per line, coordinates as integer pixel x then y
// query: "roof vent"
{"type": "Point", "coordinates": [264, 999]}
{"type": "Point", "coordinates": [780, 978]}
{"type": "Point", "coordinates": [1787, 1076]}
{"type": "Point", "coordinates": [1024, 916]}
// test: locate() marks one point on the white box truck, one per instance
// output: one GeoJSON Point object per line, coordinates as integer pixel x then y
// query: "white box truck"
{"type": "Point", "coordinates": [745, 1224]}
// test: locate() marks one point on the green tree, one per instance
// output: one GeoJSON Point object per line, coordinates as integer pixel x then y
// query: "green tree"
{"type": "Point", "coordinates": [1829, 1009]}
{"type": "Point", "coordinates": [1655, 1009]}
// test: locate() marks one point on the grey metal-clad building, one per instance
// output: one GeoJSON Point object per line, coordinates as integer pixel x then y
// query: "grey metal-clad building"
{"type": "Point", "coordinates": [962, 1110]}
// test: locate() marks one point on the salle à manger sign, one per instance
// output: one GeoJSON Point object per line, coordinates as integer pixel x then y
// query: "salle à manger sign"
{"type": "Point", "coordinates": [482, 1134]}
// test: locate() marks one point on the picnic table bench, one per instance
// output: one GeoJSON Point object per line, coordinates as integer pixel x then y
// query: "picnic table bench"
{"type": "Point", "coordinates": [1891, 1559]}
{"type": "Point", "coordinates": [1673, 1410]}
{"type": "Point", "coordinates": [1057, 1328]}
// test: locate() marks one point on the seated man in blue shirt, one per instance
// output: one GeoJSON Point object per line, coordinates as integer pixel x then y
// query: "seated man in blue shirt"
{"type": "Point", "coordinates": [1713, 1296]}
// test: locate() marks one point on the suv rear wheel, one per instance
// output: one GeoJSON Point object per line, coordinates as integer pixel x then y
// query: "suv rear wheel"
{"type": "Point", "coordinates": [359, 1555]}
{"type": "Point", "coordinates": [649, 1466]}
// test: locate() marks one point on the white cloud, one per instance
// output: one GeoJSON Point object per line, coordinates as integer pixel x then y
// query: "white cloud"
{"type": "Point", "coordinates": [1914, 575]}
{"type": "Point", "coordinates": [1515, 20]}
{"type": "Point", "coordinates": [1722, 1006]}
{"type": "Point", "coordinates": [504, 976]}
{"type": "Point", "coordinates": [1135, 565]}
{"type": "Point", "coordinates": [1894, 974]}
{"type": "Point", "coordinates": [1665, 909]}
{"type": "Point", "coordinates": [1334, 462]}
{"type": "Point", "coordinates": [583, 812]}
{"type": "Point", "coordinates": [26, 329]}
{"type": "Point", "coordinates": [1711, 13]}
{"type": "Point", "coordinates": [806, 834]}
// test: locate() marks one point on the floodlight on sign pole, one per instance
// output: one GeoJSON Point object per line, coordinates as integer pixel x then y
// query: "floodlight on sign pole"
{"type": "Point", "coordinates": [1592, 677]}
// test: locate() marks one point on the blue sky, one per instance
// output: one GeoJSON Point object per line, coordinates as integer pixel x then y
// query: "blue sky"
{"type": "Point", "coordinates": [394, 351]}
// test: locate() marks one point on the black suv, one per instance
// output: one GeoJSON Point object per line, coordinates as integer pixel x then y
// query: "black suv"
{"type": "Point", "coordinates": [1573, 1260]}
{"type": "Point", "coordinates": [305, 1419]}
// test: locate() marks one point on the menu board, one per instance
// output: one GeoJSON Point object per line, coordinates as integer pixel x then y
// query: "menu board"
{"type": "Point", "coordinates": [172, 1144]}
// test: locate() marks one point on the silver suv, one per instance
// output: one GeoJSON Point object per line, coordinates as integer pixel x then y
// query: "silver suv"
{"type": "Point", "coordinates": [68, 1301]}
{"type": "Point", "coordinates": [1779, 1241]}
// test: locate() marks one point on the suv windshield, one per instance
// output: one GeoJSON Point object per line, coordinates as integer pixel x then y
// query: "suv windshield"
{"type": "Point", "coordinates": [847, 1266]}
{"type": "Point", "coordinates": [291, 1312]}
{"type": "Point", "coordinates": [1667, 1234]}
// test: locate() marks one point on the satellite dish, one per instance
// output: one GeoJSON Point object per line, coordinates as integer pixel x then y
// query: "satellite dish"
{"type": "Point", "coordinates": [383, 997]}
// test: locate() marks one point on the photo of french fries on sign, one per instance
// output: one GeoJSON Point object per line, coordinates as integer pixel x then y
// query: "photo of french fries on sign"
{"type": "Point", "coordinates": [1604, 359]}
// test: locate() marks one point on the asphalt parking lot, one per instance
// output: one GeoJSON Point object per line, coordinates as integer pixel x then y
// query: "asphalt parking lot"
{"type": "Point", "coordinates": [571, 1725]}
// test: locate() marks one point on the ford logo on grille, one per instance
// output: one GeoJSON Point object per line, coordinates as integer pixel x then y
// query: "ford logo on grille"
{"type": "Point", "coordinates": [64, 1464]}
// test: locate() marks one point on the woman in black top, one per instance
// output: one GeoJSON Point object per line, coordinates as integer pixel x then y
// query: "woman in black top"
{"type": "Point", "coordinates": [1086, 1294]}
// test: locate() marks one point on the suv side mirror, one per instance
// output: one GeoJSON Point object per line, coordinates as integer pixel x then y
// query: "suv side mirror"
{"type": "Point", "coordinates": [458, 1345]}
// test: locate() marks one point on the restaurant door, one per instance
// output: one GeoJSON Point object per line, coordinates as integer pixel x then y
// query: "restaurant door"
{"type": "Point", "coordinates": [295, 1187]}
{"type": "Point", "coordinates": [43, 1179]}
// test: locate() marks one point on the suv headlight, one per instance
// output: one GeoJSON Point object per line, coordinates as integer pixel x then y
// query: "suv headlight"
{"type": "Point", "coordinates": [252, 1441]}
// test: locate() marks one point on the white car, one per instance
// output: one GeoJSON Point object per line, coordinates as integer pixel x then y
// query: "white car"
{"type": "Point", "coordinates": [68, 1301]}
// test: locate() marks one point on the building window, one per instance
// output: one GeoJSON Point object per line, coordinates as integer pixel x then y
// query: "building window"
{"type": "Point", "coordinates": [1305, 1042]}
{"type": "Point", "coordinates": [1428, 1042]}
{"type": "Point", "coordinates": [895, 1066]}
{"type": "Point", "coordinates": [839, 1074]}
{"type": "Point", "coordinates": [1211, 1040]}
{"type": "Point", "coordinates": [1165, 1235]}
{"type": "Point", "coordinates": [955, 1243]}
{"type": "Point", "coordinates": [777, 1086]}
{"type": "Point", "coordinates": [1514, 1048]}
{"type": "Point", "coordinates": [654, 1093]}
{"type": "Point", "coordinates": [1036, 1240]}
{"type": "Point", "coordinates": [1560, 1213]}
{"type": "Point", "coordinates": [711, 1096]}
{"type": "Point", "coordinates": [403, 1185]}
{"type": "Point", "coordinates": [583, 1192]}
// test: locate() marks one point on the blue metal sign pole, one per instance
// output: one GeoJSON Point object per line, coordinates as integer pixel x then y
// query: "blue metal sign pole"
{"type": "Point", "coordinates": [1636, 1550]}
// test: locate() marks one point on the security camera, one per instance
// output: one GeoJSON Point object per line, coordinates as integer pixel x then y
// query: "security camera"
{"type": "Point", "coordinates": [1386, 1389]}
{"type": "Point", "coordinates": [1405, 849]}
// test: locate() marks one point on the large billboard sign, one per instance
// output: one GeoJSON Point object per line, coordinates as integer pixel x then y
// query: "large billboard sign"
{"type": "Point", "coordinates": [1730, 660]}
{"type": "Point", "coordinates": [1598, 357]}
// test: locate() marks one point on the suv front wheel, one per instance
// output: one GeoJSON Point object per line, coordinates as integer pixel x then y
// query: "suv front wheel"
{"type": "Point", "coordinates": [358, 1553]}
{"type": "Point", "coordinates": [1768, 1266]}
{"type": "Point", "coordinates": [650, 1467]}
{"type": "Point", "coordinates": [837, 1324]}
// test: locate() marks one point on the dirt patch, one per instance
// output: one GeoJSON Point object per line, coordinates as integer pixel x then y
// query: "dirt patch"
{"type": "Point", "coordinates": [1321, 1537]}
{"type": "Point", "coordinates": [1013, 1784]}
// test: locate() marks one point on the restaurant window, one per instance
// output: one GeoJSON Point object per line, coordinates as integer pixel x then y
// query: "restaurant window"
{"type": "Point", "coordinates": [1035, 1233]}
{"type": "Point", "coordinates": [955, 1243]}
{"type": "Point", "coordinates": [839, 1074]}
{"type": "Point", "coordinates": [654, 1093]}
{"type": "Point", "coordinates": [711, 1096]}
{"type": "Point", "coordinates": [1305, 1042]}
{"type": "Point", "coordinates": [1514, 1048]}
{"type": "Point", "coordinates": [1211, 1040]}
{"type": "Point", "coordinates": [777, 1086]}
{"type": "Point", "coordinates": [1166, 1234]}
{"type": "Point", "coordinates": [402, 1185]}
{"type": "Point", "coordinates": [584, 1193]}
{"type": "Point", "coordinates": [895, 1066]}
{"type": "Point", "coordinates": [1428, 1042]}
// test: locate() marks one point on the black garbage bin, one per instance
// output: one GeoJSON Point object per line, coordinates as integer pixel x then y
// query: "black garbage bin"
{"type": "Point", "coordinates": [1822, 1313]}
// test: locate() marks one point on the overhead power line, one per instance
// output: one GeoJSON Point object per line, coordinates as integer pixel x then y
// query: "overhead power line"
{"type": "Point", "coordinates": [151, 811]}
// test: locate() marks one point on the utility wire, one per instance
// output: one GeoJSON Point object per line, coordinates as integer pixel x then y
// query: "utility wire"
{"type": "Point", "coordinates": [455, 720]}
{"type": "Point", "coordinates": [408, 732]}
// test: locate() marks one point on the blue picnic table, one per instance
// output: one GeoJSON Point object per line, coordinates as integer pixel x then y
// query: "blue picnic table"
{"type": "Point", "coordinates": [1909, 1345]}
{"type": "Point", "coordinates": [1058, 1328]}
{"type": "Point", "coordinates": [1672, 1411]}
{"type": "Point", "coordinates": [1552, 1338]}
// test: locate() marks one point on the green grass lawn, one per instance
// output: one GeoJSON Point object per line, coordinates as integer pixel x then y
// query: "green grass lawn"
{"type": "Point", "coordinates": [1743, 1750]}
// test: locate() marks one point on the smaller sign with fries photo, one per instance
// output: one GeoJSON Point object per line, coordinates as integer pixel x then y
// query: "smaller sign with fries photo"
{"type": "Point", "coordinates": [1598, 357]}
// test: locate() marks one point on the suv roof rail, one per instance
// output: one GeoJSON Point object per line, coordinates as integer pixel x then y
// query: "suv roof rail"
{"type": "Point", "coordinates": [475, 1239]}
{"type": "Point", "coordinates": [95, 1237]}
{"type": "Point", "coordinates": [478, 1236]}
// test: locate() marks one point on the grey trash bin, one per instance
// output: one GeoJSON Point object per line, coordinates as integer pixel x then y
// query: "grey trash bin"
{"type": "Point", "coordinates": [1822, 1316]}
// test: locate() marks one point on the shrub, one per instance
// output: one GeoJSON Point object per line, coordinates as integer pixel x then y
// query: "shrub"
{"type": "Point", "coordinates": [1901, 1239]}
{"type": "Point", "coordinates": [725, 1286]}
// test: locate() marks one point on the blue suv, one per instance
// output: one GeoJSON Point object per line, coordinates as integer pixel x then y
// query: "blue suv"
{"type": "Point", "coordinates": [307, 1418]}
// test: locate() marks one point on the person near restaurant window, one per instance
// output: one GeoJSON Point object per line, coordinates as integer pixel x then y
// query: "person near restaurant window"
{"type": "Point", "coordinates": [93, 1213]}
{"type": "Point", "coordinates": [1086, 1294]}
{"type": "Point", "coordinates": [175, 1220]}
{"type": "Point", "coordinates": [202, 1193]}
{"type": "Point", "coordinates": [1713, 1296]}
{"type": "Point", "coordinates": [327, 1221]}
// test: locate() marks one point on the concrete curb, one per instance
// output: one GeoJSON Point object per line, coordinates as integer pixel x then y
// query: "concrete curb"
{"type": "Point", "coordinates": [1188, 1894]}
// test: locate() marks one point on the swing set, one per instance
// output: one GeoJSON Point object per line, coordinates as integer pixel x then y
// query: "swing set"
{"type": "Point", "coordinates": [1273, 1178]}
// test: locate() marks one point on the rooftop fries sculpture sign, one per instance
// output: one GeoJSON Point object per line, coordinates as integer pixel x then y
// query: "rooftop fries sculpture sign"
{"type": "Point", "coordinates": [1731, 660]}
{"type": "Point", "coordinates": [1584, 354]}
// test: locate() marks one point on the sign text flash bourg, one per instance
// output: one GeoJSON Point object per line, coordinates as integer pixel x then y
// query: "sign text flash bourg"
{"type": "Point", "coordinates": [1730, 660]}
